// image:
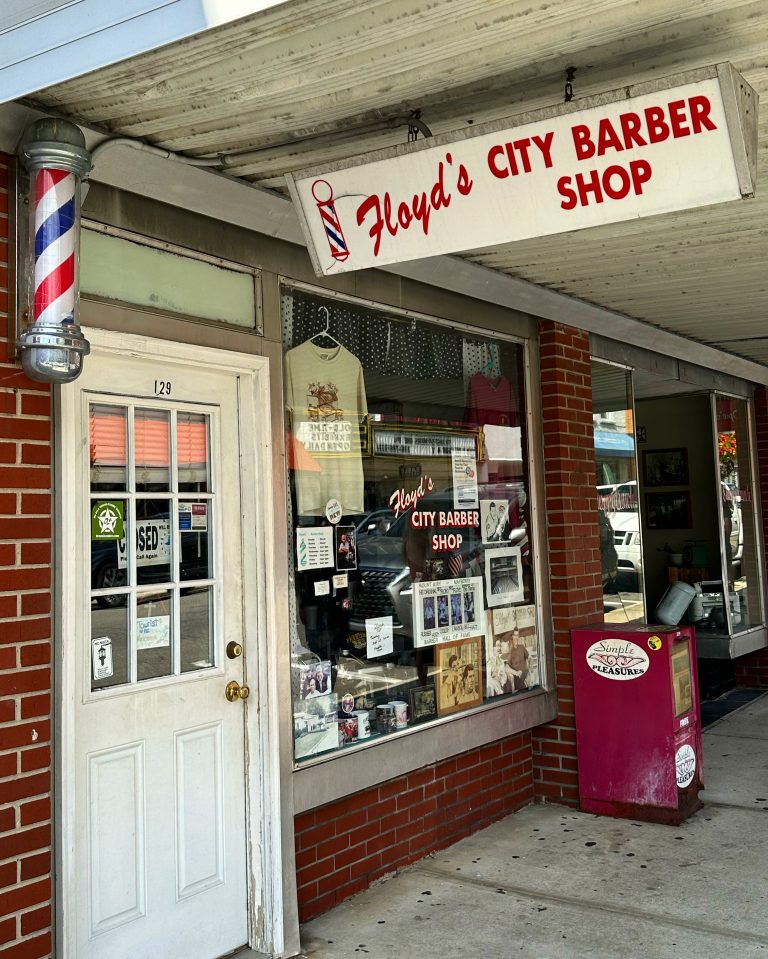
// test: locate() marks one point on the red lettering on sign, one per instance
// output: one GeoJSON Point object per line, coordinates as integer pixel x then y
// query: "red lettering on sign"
{"type": "Point", "coordinates": [615, 182]}
{"type": "Point", "coordinates": [419, 208]}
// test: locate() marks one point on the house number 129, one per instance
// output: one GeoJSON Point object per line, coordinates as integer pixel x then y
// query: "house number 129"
{"type": "Point", "coordinates": [162, 387]}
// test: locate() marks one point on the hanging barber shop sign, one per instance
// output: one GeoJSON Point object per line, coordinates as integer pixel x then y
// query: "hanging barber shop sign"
{"type": "Point", "coordinates": [675, 144]}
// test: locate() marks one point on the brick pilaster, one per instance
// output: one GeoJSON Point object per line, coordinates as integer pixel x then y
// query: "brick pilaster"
{"type": "Point", "coordinates": [573, 538]}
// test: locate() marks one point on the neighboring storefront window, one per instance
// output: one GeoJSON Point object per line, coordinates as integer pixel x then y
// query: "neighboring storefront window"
{"type": "Point", "coordinates": [621, 556]}
{"type": "Point", "coordinates": [740, 570]}
{"type": "Point", "coordinates": [412, 592]}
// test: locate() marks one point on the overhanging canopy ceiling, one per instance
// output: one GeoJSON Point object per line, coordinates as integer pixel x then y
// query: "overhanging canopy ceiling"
{"type": "Point", "coordinates": [311, 82]}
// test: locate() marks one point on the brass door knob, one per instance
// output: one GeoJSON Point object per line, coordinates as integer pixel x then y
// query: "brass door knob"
{"type": "Point", "coordinates": [235, 691]}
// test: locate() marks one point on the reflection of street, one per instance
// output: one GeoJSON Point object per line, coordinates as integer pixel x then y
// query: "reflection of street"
{"type": "Point", "coordinates": [623, 607]}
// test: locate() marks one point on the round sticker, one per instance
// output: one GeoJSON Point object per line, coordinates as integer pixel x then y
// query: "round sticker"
{"type": "Point", "coordinates": [685, 765]}
{"type": "Point", "coordinates": [654, 642]}
{"type": "Point", "coordinates": [333, 511]}
{"type": "Point", "coordinates": [617, 659]}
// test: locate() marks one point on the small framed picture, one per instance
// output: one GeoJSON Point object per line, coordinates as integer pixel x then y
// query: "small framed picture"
{"type": "Point", "coordinates": [668, 510]}
{"type": "Point", "coordinates": [665, 467]}
{"type": "Point", "coordinates": [459, 674]}
{"type": "Point", "coordinates": [423, 703]}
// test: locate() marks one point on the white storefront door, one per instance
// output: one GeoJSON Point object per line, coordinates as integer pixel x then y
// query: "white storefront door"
{"type": "Point", "coordinates": [155, 833]}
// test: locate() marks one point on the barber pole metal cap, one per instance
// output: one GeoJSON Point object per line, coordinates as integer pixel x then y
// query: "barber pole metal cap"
{"type": "Point", "coordinates": [57, 145]}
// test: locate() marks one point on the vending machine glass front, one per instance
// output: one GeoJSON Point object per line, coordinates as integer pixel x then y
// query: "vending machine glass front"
{"type": "Point", "coordinates": [682, 682]}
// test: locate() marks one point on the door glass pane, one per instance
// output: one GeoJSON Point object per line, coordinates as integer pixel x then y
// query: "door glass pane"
{"type": "Point", "coordinates": [109, 642]}
{"type": "Point", "coordinates": [739, 552]}
{"type": "Point", "coordinates": [154, 633]}
{"type": "Point", "coordinates": [110, 521]}
{"type": "Point", "coordinates": [153, 541]}
{"type": "Point", "coordinates": [196, 631]}
{"type": "Point", "coordinates": [192, 446]}
{"type": "Point", "coordinates": [108, 429]}
{"type": "Point", "coordinates": [152, 450]}
{"type": "Point", "coordinates": [194, 536]}
{"type": "Point", "coordinates": [621, 557]}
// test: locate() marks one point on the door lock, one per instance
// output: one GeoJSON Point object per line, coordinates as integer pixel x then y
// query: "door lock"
{"type": "Point", "coordinates": [235, 691]}
{"type": "Point", "coordinates": [234, 650]}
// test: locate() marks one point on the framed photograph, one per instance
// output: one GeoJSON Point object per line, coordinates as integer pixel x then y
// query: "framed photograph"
{"type": "Point", "coordinates": [346, 547]}
{"type": "Point", "coordinates": [423, 703]}
{"type": "Point", "coordinates": [665, 467]}
{"type": "Point", "coordinates": [503, 576]}
{"type": "Point", "coordinates": [668, 510]}
{"type": "Point", "coordinates": [459, 674]}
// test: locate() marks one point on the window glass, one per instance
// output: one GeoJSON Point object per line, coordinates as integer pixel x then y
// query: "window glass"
{"type": "Point", "coordinates": [154, 634]}
{"type": "Point", "coordinates": [192, 444]}
{"type": "Point", "coordinates": [152, 450]}
{"type": "Point", "coordinates": [108, 446]}
{"type": "Point", "coordinates": [413, 589]}
{"type": "Point", "coordinates": [737, 509]}
{"type": "Point", "coordinates": [621, 555]}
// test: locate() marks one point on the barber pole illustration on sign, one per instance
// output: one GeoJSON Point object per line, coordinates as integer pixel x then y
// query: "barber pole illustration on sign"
{"type": "Point", "coordinates": [674, 144]}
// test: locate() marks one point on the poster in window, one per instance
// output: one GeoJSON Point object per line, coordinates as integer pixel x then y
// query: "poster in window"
{"type": "Point", "coordinates": [447, 610]}
{"type": "Point", "coordinates": [459, 674]}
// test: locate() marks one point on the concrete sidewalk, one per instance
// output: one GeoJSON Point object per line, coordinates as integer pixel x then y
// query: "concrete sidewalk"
{"type": "Point", "coordinates": [550, 883]}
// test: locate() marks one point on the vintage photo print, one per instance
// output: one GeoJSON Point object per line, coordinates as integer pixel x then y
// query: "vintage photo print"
{"type": "Point", "coordinates": [315, 725]}
{"type": "Point", "coordinates": [511, 650]}
{"type": "Point", "coordinates": [315, 679]}
{"type": "Point", "coordinates": [503, 576]}
{"type": "Point", "coordinates": [459, 674]}
{"type": "Point", "coordinates": [345, 543]}
{"type": "Point", "coordinates": [428, 607]}
{"type": "Point", "coordinates": [446, 610]}
{"type": "Point", "coordinates": [494, 520]}
{"type": "Point", "coordinates": [423, 703]}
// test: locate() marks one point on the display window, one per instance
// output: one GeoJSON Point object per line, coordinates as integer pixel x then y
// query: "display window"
{"type": "Point", "coordinates": [412, 578]}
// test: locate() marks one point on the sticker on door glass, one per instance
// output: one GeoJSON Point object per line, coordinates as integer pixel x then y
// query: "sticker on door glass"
{"type": "Point", "coordinates": [617, 659]}
{"type": "Point", "coordinates": [101, 653]}
{"type": "Point", "coordinates": [193, 517]}
{"type": "Point", "coordinates": [153, 631]}
{"type": "Point", "coordinates": [107, 520]}
{"type": "Point", "coordinates": [685, 765]}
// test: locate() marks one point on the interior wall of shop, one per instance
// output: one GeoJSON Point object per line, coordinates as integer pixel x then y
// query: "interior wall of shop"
{"type": "Point", "coordinates": [675, 422]}
{"type": "Point", "coordinates": [25, 639]}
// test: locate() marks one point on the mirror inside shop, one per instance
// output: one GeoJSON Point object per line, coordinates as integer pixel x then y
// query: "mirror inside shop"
{"type": "Point", "coordinates": [413, 589]}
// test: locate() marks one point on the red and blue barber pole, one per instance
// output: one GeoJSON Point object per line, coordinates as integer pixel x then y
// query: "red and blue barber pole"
{"type": "Point", "coordinates": [54, 300]}
{"type": "Point", "coordinates": [322, 191]}
{"type": "Point", "coordinates": [52, 347]}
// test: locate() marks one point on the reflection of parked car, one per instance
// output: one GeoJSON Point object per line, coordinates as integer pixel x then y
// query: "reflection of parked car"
{"type": "Point", "coordinates": [626, 538]}
{"type": "Point", "coordinates": [376, 523]}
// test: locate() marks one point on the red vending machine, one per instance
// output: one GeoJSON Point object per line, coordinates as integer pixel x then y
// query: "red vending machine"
{"type": "Point", "coordinates": [638, 725]}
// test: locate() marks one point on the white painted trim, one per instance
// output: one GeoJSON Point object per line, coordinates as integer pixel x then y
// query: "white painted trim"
{"type": "Point", "coordinates": [266, 805]}
{"type": "Point", "coordinates": [86, 35]}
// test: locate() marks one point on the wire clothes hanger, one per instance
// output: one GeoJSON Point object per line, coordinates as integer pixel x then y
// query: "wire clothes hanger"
{"type": "Point", "coordinates": [326, 332]}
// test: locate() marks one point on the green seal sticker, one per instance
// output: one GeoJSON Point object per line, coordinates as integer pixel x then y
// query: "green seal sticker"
{"type": "Point", "coordinates": [108, 520]}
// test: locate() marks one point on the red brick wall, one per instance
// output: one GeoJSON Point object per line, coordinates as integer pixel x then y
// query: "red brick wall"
{"type": "Point", "coordinates": [343, 847]}
{"type": "Point", "coordinates": [752, 670]}
{"type": "Point", "coordinates": [25, 644]}
{"type": "Point", "coordinates": [572, 533]}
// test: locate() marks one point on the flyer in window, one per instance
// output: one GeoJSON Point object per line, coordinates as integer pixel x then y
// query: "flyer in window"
{"type": "Point", "coordinates": [511, 650]}
{"type": "Point", "coordinates": [447, 609]}
{"type": "Point", "coordinates": [465, 493]}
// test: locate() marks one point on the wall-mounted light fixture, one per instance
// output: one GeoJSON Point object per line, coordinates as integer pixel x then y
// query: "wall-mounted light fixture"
{"type": "Point", "coordinates": [52, 346]}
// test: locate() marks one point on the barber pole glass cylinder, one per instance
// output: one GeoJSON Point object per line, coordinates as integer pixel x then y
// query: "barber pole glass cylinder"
{"type": "Point", "coordinates": [55, 157]}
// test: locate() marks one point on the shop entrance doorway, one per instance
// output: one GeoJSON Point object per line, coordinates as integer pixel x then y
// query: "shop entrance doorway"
{"type": "Point", "coordinates": [157, 475]}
